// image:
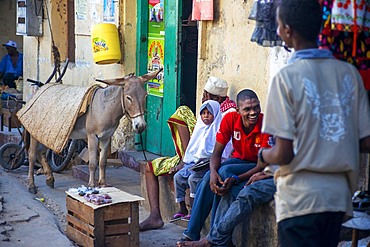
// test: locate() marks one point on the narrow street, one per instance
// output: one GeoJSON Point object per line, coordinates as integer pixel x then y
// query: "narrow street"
{"type": "Point", "coordinates": [39, 220]}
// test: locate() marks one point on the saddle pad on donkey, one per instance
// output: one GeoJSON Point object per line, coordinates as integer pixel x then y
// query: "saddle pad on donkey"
{"type": "Point", "coordinates": [52, 112]}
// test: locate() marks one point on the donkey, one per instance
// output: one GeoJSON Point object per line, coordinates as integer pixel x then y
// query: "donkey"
{"type": "Point", "coordinates": [123, 96]}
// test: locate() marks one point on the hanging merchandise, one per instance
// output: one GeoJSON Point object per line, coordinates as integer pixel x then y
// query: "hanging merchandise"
{"type": "Point", "coordinates": [349, 15]}
{"type": "Point", "coordinates": [105, 43]}
{"type": "Point", "coordinates": [264, 13]}
{"type": "Point", "coordinates": [202, 10]}
{"type": "Point", "coordinates": [345, 32]}
{"type": "Point", "coordinates": [365, 73]}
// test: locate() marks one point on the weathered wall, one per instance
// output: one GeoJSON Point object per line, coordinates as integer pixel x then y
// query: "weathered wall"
{"type": "Point", "coordinates": [83, 71]}
{"type": "Point", "coordinates": [8, 25]}
{"type": "Point", "coordinates": [225, 51]}
{"type": "Point", "coordinates": [229, 53]}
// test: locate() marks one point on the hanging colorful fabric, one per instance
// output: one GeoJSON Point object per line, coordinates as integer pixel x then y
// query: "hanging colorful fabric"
{"type": "Point", "coordinates": [364, 69]}
{"type": "Point", "coordinates": [347, 12]}
{"type": "Point", "coordinates": [365, 74]}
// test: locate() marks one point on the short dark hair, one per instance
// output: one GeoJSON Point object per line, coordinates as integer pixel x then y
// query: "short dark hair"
{"type": "Point", "coordinates": [303, 16]}
{"type": "Point", "coordinates": [246, 94]}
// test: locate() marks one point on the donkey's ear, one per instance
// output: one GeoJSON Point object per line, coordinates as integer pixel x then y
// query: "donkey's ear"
{"type": "Point", "coordinates": [149, 76]}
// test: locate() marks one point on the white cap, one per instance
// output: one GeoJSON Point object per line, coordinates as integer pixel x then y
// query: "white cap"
{"type": "Point", "coordinates": [11, 43]}
{"type": "Point", "coordinates": [216, 86]}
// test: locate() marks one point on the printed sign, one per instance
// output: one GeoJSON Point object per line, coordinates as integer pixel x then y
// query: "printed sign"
{"type": "Point", "coordinates": [202, 10]}
{"type": "Point", "coordinates": [155, 46]}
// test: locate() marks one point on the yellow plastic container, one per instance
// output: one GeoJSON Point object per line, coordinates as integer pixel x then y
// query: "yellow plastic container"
{"type": "Point", "coordinates": [105, 43]}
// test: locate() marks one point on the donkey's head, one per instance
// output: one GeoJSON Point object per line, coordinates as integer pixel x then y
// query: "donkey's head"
{"type": "Point", "coordinates": [134, 97]}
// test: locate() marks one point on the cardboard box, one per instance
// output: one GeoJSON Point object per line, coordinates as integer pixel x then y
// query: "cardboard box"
{"type": "Point", "coordinates": [110, 225]}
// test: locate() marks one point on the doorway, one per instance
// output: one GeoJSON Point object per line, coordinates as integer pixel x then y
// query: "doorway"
{"type": "Point", "coordinates": [180, 41]}
{"type": "Point", "coordinates": [189, 54]}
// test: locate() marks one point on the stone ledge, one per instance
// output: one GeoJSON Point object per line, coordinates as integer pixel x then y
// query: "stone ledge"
{"type": "Point", "coordinates": [133, 159]}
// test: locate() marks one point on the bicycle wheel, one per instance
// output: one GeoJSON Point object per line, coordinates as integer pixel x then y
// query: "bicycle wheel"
{"type": "Point", "coordinates": [58, 162]}
{"type": "Point", "coordinates": [12, 156]}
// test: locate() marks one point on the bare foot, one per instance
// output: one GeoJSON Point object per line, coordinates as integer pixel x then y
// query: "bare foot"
{"type": "Point", "coordinates": [150, 224]}
{"type": "Point", "coordinates": [201, 243]}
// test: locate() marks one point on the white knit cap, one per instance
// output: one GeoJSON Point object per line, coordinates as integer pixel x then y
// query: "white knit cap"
{"type": "Point", "coordinates": [216, 86]}
{"type": "Point", "coordinates": [11, 43]}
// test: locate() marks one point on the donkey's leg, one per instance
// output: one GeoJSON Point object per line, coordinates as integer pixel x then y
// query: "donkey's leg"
{"type": "Point", "coordinates": [31, 159]}
{"type": "Point", "coordinates": [93, 145]}
{"type": "Point", "coordinates": [41, 157]}
{"type": "Point", "coordinates": [104, 145]}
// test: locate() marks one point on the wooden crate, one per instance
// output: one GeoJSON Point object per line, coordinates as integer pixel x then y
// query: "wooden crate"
{"type": "Point", "coordinates": [109, 225]}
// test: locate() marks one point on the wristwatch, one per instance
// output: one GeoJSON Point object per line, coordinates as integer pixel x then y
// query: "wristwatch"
{"type": "Point", "coordinates": [237, 179]}
{"type": "Point", "coordinates": [260, 156]}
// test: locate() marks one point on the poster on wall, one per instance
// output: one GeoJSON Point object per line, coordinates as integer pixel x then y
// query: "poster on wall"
{"type": "Point", "coordinates": [155, 46]}
{"type": "Point", "coordinates": [202, 10]}
{"type": "Point", "coordinates": [108, 11]}
{"type": "Point", "coordinates": [81, 9]}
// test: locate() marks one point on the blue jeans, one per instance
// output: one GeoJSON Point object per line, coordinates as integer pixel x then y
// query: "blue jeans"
{"type": "Point", "coordinates": [230, 213]}
{"type": "Point", "coordinates": [205, 199]}
{"type": "Point", "coordinates": [184, 179]}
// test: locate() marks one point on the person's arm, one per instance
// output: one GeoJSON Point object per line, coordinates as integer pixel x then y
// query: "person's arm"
{"type": "Point", "coordinates": [247, 175]}
{"type": "Point", "coordinates": [365, 145]}
{"type": "Point", "coordinates": [280, 154]}
{"type": "Point", "coordinates": [185, 138]}
{"type": "Point", "coordinates": [229, 182]}
{"type": "Point", "coordinates": [215, 163]}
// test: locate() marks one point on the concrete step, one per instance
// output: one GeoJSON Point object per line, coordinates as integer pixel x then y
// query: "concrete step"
{"type": "Point", "coordinates": [133, 159]}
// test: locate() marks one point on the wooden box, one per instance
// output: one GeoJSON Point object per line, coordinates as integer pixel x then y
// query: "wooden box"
{"type": "Point", "coordinates": [107, 225]}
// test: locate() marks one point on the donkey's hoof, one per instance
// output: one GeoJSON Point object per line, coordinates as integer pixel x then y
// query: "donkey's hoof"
{"type": "Point", "coordinates": [50, 183]}
{"type": "Point", "coordinates": [32, 190]}
{"type": "Point", "coordinates": [103, 185]}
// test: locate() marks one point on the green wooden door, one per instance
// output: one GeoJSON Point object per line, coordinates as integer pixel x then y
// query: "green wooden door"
{"type": "Point", "coordinates": [157, 137]}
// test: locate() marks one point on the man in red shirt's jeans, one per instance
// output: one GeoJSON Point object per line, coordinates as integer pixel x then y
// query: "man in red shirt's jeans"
{"type": "Point", "coordinates": [244, 127]}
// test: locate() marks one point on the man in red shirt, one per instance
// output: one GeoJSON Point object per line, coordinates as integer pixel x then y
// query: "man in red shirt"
{"type": "Point", "coordinates": [229, 177]}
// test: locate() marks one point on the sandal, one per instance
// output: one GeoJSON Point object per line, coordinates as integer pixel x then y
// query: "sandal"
{"type": "Point", "coordinates": [176, 217]}
{"type": "Point", "coordinates": [185, 239]}
{"type": "Point", "coordinates": [186, 217]}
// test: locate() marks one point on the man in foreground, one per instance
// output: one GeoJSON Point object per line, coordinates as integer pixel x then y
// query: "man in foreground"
{"type": "Point", "coordinates": [319, 112]}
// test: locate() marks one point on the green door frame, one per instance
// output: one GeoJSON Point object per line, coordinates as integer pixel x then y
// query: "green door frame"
{"type": "Point", "coordinates": [142, 12]}
{"type": "Point", "coordinates": [172, 73]}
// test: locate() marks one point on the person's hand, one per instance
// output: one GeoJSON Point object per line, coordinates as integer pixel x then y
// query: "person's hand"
{"type": "Point", "coordinates": [215, 181]}
{"type": "Point", "coordinates": [255, 177]}
{"type": "Point", "coordinates": [177, 168]}
{"type": "Point", "coordinates": [225, 189]}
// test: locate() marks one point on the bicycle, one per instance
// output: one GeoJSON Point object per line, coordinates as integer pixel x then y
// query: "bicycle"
{"type": "Point", "coordinates": [58, 162]}
{"type": "Point", "coordinates": [13, 155]}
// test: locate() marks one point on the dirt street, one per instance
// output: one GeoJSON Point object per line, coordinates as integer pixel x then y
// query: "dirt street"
{"type": "Point", "coordinates": [26, 220]}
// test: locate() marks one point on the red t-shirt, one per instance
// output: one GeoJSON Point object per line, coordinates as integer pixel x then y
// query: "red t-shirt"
{"type": "Point", "coordinates": [245, 146]}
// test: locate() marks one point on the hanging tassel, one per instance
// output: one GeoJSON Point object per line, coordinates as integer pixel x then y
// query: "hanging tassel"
{"type": "Point", "coordinates": [355, 30]}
